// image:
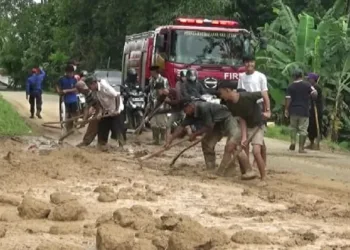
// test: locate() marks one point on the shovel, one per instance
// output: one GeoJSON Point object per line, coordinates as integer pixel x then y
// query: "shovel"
{"type": "Point", "coordinates": [177, 156]}
{"type": "Point", "coordinates": [138, 130]}
{"type": "Point", "coordinates": [158, 152]}
{"type": "Point", "coordinates": [223, 169]}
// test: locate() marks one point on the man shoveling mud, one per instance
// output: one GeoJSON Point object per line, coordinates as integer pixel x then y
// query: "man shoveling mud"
{"type": "Point", "coordinates": [92, 106]}
{"type": "Point", "coordinates": [217, 122]}
{"type": "Point", "coordinates": [244, 105]}
{"type": "Point", "coordinates": [109, 101]}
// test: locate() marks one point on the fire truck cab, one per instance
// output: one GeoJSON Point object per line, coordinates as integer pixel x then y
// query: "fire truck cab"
{"type": "Point", "coordinates": [215, 48]}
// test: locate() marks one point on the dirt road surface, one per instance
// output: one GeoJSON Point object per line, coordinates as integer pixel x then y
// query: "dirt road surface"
{"type": "Point", "coordinates": [304, 206]}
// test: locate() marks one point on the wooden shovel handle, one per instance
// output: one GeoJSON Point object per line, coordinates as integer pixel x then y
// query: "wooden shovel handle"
{"type": "Point", "coordinates": [139, 128]}
{"type": "Point", "coordinates": [162, 150]}
{"type": "Point", "coordinates": [184, 150]}
{"type": "Point", "coordinates": [62, 122]}
{"type": "Point", "coordinates": [222, 169]}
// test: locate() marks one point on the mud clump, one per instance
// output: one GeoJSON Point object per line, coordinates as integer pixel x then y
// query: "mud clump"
{"type": "Point", "coordinates": [58, 246]}
{"type": "Point", "coordinates": [125, 194]}
{"type": "Point", "coordinates": [188, 234]}
{"type": "Point", "coordinates": [104, 219]}
{"type": "Point", "coordinates": [9, 216]}
{"type": "Point", "coordinates": [10, 200]}
{"type": "Point", "coordinates": [31, 208]}
{"type": "Point", "coordinates": [59, 198]}
{"type": "Point", "coordinates": [301, 239]}
{"type": "Point", "coordinates": [103, 189]}
{"type": "Point", "coordinates": [136, 228]}
{"type": "Point", "coordinates": [68, 211]}
{"type": "Point", "coordinates": [107, 197]}
{"type": "Point", "coordinates": [65, 229]}
{"type": "Point", "coordinates": [251, 237]}
{"type": "Point", "coordinates": [110, 237]}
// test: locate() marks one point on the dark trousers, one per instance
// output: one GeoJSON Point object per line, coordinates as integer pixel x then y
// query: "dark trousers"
{"type": "Point", "coordinates": [107, 125]}
{"type": "Point", "coordinates": [312, 129]}
{"type": "Point", "coordinates": [35, 99]}
{"type": "Point", "coordinates": [120, 132]}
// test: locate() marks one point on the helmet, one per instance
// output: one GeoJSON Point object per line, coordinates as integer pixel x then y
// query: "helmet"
{"type": "Point", "coordinates": [131, 75]}
{"type": "Point", "coordinates": [191, 75]}
{"type": "Point", "coordinates": [183, 73]}
{"type": "Point", "coordinates": [83, 73]}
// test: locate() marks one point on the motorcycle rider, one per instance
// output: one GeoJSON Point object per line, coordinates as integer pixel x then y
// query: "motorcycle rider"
{"type": "Point", "coordinates": [159, 121]}
{"type": "Point", "coordinates": [129, 84]}
{"type": "Point", "coordinates": [180, 84]}
{"type": "Point", "coordinates": [192, 88]}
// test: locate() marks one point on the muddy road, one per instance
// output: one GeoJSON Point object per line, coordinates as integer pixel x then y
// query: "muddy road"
{"type": "Point", "coordinates": [304, 206]}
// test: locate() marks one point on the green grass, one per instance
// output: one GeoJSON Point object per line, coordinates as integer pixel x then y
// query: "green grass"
{"type": "Point", "coordinates": [278, 132]}
{"type": "Point", "coordinates": [10, 121]}
{"type": "Point", "coordinates": [283, 132]}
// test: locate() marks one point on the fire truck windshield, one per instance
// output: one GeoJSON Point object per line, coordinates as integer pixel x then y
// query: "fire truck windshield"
{"type": "Point", "coordinates": [207, 47]}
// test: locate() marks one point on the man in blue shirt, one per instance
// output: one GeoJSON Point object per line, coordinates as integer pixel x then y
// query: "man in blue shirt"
{"type": "Point", "coordinates": [66, 89]}
{"type": "Point", "coordinates": [34, 91]}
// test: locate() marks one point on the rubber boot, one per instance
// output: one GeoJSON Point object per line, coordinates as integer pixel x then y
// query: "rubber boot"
{"type": "Point", "coordinates": [156, 134]}
{"type": "Point", "coordinates": [38, 115]}
{"type": "Point", "coordinates": [224, 164]}
{"type": "Point", "coordinates": [162, 134]}
{"type": "Point", "coordinates": [210, 161]}
{"type": "Point", "coordinates": [311, 145]}
{"type": "Point", "coordinates": [293, 137]}
{"type": "Point", "coordinates": [302, 139]}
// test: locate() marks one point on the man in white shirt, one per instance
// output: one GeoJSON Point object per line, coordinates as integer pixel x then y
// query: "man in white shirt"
{"type": "Point", "coordinates": [110, 102]}
{"type": "Point", "coordinates": [254, 81]}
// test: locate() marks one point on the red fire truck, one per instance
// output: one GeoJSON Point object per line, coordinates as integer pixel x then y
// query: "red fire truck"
{"type": "Point", "coordinates": [214, 48]}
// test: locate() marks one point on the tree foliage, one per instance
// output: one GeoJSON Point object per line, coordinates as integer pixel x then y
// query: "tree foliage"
{"type": "Point", "coordinates": [311, 34]}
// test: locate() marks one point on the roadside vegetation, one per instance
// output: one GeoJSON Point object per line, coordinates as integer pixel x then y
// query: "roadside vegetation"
{"type": "Point", "coordinates": [281, 132]}
{"type": "Point", "coordinates": [10, 121]}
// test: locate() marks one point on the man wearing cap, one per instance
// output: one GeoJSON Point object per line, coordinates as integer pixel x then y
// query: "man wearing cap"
{"type": "Point", "coordinates": [254, 81]}
{"type": "Point", "coordinates": [110, 103]}
{"type": "Point", "coordinates": [217, 123]}
{"type": "Point", "coordinates": [159, 121]}
{"type": "Point", "coordinates": [297, 107]}
{"type": "Point", "coordinates": [92, 108]}
{"type": "Point", "coordinates": [316, 105]}
{"type": "Point", "coordinates": [34, 91]}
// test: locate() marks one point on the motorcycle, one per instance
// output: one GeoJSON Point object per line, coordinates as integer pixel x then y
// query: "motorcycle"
{"type": "Point", "coordinates": [134, 107]}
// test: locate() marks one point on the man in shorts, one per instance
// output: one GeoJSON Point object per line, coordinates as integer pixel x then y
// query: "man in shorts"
{"type": "Point", "coordinates": [255, 81]}
{"type": "Point", "coordinates": [217, 123]}
{"type": "Point", "coordinates": [244, 105]}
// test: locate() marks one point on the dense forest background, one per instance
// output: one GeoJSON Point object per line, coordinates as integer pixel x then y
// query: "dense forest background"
{"type": "Point", "coordinates": [311, 34]}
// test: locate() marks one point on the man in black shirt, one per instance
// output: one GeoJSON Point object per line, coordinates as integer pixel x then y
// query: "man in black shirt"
{"type": "Point", "coordinates": [217, 122]}
{"type": "Point", "coordinates": [316, 105]}
{"type": "Point", "coordinates": [244, 105]}
{"type": "Point", "coordinates": [297, 108]}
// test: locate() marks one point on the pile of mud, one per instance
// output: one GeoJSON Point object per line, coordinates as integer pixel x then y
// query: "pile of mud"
{"type": "Point", "coordinates": [136, 228]}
